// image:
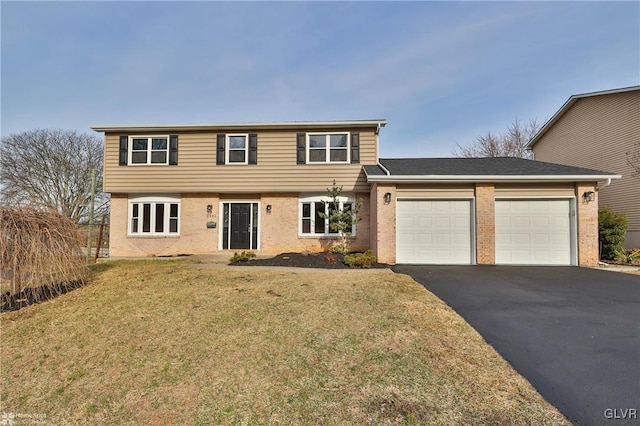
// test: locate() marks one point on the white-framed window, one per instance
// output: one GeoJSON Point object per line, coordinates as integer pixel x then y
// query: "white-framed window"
{"type": "Point", "coordinates": [154, 215]}
{"type": "Point", "coordinates": [328, 147]}
{"type": "Point", "coordinates": [237, 148]}
{"type": "Point", "coordinates": [311, 210]}
{"type": "Point", "coordinates": [148, 149]}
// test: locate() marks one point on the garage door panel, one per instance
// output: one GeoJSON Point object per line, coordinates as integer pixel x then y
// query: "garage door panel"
{"type": "Point", "coordinates": [441, 230]}
{"type": "Point", "coordinates": [534, 232]}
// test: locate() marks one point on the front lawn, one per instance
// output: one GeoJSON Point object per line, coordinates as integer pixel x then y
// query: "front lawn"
{"type": "Point", "coordinates": [161, 342]}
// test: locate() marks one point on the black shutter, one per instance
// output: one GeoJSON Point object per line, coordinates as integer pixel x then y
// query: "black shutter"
{"type": "Point", "coordinates": [253, 148]}
{"type": "Point", "coordinates": [220, 149]}
{"type": "Point", "coordinates": [301, 148]}
{"type": "Point", "coordinates": [124, 154]}
{"type": "Point", "coordinates": [355, 148]}
{"type": "Point", "coordinates": [173, 150]}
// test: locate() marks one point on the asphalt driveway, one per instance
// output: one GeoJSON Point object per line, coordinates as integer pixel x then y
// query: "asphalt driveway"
{"type": "Point", "coordinates": [574, 333]}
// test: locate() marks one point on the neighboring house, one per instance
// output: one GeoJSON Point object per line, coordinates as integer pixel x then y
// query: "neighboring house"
{"type": "Point", "coordinates": [262, 186]}
{"type": "Point", "coordinates": [596, 130]}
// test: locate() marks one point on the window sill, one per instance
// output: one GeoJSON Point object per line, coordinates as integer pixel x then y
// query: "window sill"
{"type": "Point", "coordinates": [322, 237]}
{"type": "Point", "coordinates": [148, 237]}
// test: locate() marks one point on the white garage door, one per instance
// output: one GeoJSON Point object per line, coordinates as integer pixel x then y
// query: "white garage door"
{"type": "Point", "coordinates": [533, 232]}
{"type": "Point", "coordinates": [433, 231]}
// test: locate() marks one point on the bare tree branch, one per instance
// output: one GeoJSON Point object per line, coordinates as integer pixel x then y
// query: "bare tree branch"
{"type": "Point", "coordinates": [51, 168]}
{"type": "Point", "coordinates": [633, 159]}
{"type": "Point", "coordinates": [512, 143]}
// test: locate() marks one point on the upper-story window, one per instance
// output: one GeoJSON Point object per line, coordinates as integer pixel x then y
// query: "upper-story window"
{"type": "Point", "coordinates": [149, 150]}
{"type": "Point", "coordinates": [237, 148]}
{"type": "Point", "coordinates": [159, 149]}
{"type": "Point", "coordinates": [328, 148]}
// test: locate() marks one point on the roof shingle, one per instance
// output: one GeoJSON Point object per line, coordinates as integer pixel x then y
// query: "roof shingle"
{"type": "Point", "coordinates": [493, 166]}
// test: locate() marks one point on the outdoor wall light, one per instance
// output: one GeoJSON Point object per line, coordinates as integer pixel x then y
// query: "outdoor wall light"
{"type": "Point", "coordinates": [268, 208]}
{"type": "Point", "coordinates": [387, 198]}
{"type": "Point", "coordinates": [588, 196]}
{"type": "Point", "coordinates": [209, 210]}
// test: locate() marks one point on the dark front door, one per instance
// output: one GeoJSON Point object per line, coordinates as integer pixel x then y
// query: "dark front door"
{"type": "Point", "coordinates": [240, 226]}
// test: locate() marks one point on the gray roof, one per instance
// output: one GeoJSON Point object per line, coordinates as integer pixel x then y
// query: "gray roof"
{"type": "Point", "coordinates": [474, 167]}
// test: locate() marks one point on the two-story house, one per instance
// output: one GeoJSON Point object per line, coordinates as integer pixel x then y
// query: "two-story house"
{"type": "Point", "coordinates": [262, 186]}
{"type": "Point", "coordinates": [598, 130]}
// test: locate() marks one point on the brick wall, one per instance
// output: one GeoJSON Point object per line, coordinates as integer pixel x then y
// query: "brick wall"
{"type": "Point", "coordinates": [194, 237]}
{"type": "Point", "coordinates": [588, 245]}
{"type": "Point", "coordinates": [278, 229]}
{"type": "Point", "coordinates": [485, 224]}
{"type": "Point", "coordinates": [383, 223]}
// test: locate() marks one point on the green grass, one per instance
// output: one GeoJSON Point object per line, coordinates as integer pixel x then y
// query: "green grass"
{"type": "Point", "coordinates": [162, 342]}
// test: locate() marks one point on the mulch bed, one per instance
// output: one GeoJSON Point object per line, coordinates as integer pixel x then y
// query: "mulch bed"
{"type": "Point", "coordinates": [29, 296]}
{"type": "Point", "coordinates": [306, 260]}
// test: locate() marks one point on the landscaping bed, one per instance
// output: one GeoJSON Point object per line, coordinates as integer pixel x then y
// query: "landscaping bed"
{"type": "Point", "coordinates": [324, 260]}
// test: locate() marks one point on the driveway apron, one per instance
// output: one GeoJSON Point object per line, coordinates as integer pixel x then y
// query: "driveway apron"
{"type": "Point", "coordinates": [574, 333]}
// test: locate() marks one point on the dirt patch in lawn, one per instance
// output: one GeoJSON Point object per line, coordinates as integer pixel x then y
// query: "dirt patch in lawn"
{"type": "Point", "coordinates": [324, 260]}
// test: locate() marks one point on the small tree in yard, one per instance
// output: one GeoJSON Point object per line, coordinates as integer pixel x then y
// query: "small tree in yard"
{"type": "Point", "coordinates": [341, 219]}
{"type": "Point", "coordinates": [612, 227]}
{"type": "Point", "coordinates": [40, 255]}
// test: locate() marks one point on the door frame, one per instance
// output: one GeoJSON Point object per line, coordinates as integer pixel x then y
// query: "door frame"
{"type": "Point", "coordinates": [573, 219]}
{"type": "Point", "coordinates": [252, 237]}
{"type": "Point", "coordinates": [472, 219]}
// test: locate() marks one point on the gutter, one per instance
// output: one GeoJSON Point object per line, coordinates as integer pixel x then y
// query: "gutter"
{"type": "Point", "coordinates": [490, 178]}
{"type": "Point", "coordinates": [346, 124]}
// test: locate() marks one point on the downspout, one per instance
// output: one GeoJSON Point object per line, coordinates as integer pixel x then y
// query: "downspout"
{"type": "Point", "coordinates": [604, 185]}
{"type": "Point", "coordinates": [598, 188]}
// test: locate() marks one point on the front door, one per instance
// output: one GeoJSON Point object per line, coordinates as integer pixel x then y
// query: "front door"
{"type": "Point", "coordinates": [240, 226]}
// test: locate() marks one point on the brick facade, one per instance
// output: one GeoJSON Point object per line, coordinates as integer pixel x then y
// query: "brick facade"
{"type": "Point", "coordinates": [587, 212]}
{"type": "Point", "coordinates": [383, 222]}
{"type": "Point", "coordinates": [278, 229]}
{"type": "Point", "coordinates": [195, 237]}
{"type": "Point", "coordinates": [485, 224]}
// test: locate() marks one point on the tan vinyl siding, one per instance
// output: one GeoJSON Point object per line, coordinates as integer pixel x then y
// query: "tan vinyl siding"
{"type": "Point", "coordinates": [435, 190]}
{"type": "Point", "coordinates": [276, 170]}
{"type": "Point", "coordinates": [535, 190]}
{"type": "Point", "coordinates": [596, 132]}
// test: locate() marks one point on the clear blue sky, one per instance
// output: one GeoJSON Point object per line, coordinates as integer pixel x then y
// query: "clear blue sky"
{"type": "Point", "coordinates": [441, 73]}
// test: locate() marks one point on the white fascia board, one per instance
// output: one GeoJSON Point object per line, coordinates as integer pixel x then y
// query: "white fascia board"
{"type": "Point", "coordinates": [489, 178]}
{"type": "Point", "coordinates": [302, 125]}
